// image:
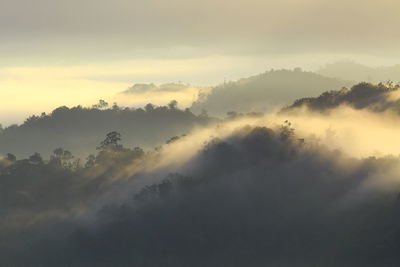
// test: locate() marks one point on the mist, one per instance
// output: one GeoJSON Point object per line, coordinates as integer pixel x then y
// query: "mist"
{"type": "Point", "coordinates": [254, 189]}
{"type": "Point", "coordinates": [199, 133]}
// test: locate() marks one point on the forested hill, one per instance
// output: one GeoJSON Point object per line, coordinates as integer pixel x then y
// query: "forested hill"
{"type": "Point", "coordinates": [79, 129]}
{"type": "Point", "coordinates": [257, 198]}
{"type": "Point", "coordinates": [265, 91]}
{"type": "Point", "coordinates": [374, 97]}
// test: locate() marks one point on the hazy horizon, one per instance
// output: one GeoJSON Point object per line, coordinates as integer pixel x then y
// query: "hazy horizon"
{"type": "Point", "coordinates": [75, 52]}
{"type": "Point", "coordinates": [85, 85]}
{"type": "Point", "coordinates": [188, 133]}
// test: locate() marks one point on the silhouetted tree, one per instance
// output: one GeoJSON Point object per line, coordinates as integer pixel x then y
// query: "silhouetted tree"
{"type": "Point", "coordinates": [62, 158]}
{"type": "Point", "coordinates": [101, 104]}
{"type": "Point", "coordinates": [172, 139]}
{"type": "Point", "coordinates": [115, 107]}
{"type": "Point", "coordinates": [287, 130]}
{"type": "Point", "coordinates": [149, 107]}
{"type": "Point", "coordinates": [369, 96]}
{"type": "Point", "coordinates": [111, 141]}
{"type": "Point", "coordinates": [173, 104]}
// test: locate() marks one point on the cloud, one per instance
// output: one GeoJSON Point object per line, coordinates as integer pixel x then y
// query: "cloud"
{"type": "Point", "coordinates": [218, 27]}
{"type": "Point", "coordinates": [140, 94]}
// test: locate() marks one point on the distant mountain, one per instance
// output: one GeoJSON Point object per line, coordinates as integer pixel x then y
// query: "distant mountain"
{"type": "Point", "coordinates": [265, 91]}
{"type": "Point", "coordinates": [80, 129]}
{"type": "Point", "coordinates": [350, 70]}
{"type": "Point", "coordinates": [151, 87]}
{"type": "Point", "coordinates": [141, 93]}
{"type": "Point", "coordinates": [374, 97]}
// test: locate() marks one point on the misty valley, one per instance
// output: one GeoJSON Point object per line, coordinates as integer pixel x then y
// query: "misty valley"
{"type": "Point", "coordinates": [199, 133]}
{"type": "Point", "coordinates": [285, 168]}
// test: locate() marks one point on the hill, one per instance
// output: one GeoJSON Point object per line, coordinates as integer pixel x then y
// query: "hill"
{"type": "Point", "coordinates": [257, 198]}
{"type": "Point", "coordinates": [265, 91]}
{"type": "Point", "coordinates": [374, 97]}
{"type": "Point", "coordinates": [79, 129]}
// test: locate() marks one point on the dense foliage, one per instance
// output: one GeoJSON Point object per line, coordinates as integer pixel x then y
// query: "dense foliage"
{"type": "Point", "coordinates": [78, 129]}
{"type": "Point", "coordinates": [369, 96]}
{"type": "Point", "coordinates": [258, 197]}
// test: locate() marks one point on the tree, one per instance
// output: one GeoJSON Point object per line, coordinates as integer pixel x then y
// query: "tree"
{"type": "Point", "coordinates": [62, 157]}
{"type": "Point", "coordinates": [115, 106]}
{"type": "Point", "coordinates": [172, 139]}
{"type": "Point", "coordinates": [173, 104]}
{"type": "Point", "coordinates": [102, 104]}
{"type": "Point", "coordinates": [287, 131]}
{"type": "Point", "coordinates": [31, 119]}
{"type": "Point", "coordinates": [111, 141]}
{"type": "Point", "coordinates": [149, 107]}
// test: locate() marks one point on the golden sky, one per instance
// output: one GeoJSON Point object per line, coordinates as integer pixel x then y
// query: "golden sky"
{"type": "Point", "coordinates": [77, 51]}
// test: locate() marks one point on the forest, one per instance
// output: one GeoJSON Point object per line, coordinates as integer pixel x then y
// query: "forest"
{"type": "Point", "coordinates": [237, 196]}
{"type": "Point", "coordinates": [223, 194]}
{"type": "Point", "coordinates": [78, 129]}
{"type": "Point", "coordinates": [373, 97]}
{"type": "Point", "coordinates": [212, 133]}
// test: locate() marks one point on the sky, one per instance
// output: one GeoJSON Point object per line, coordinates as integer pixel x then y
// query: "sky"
{"type": "Point", "coordinates": [75, 52]}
